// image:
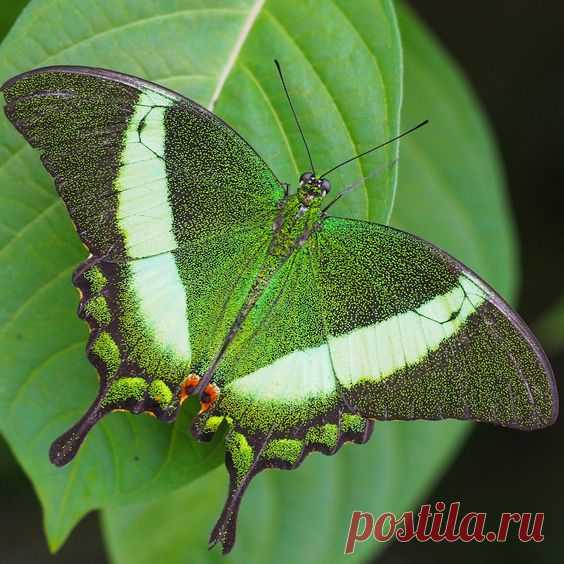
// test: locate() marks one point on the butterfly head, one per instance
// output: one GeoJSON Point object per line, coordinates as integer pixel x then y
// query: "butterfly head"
{"type": "Point", "coordinates": [312, 189]}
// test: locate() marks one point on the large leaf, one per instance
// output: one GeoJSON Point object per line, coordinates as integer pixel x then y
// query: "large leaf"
{"type": "Point", "coordinates": [343, 66]}
{"type": "Point", "coordinates": [451, 191]}
{"type": "Point", "coordinates": [9, 13]}
{"type": "Point", "coordinates": [550, 327]}
{"type": "Point", "coordinates": [451, 187]}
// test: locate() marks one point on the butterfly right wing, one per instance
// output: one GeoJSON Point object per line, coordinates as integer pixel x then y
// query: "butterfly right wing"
{"type": "Point", "coordinates": [414, 334]}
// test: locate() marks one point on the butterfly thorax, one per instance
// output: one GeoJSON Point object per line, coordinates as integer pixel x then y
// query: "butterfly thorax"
{"type": "Point", "coordinates": [300, 214]}
{"type": "Point", "coordinates": [292, 227]}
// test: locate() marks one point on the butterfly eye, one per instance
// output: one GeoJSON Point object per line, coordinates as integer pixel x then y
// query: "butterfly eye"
{"type": "Point", "coordinates": [306, 178]}
{"type": "Point", "coordinates": [325, 186]}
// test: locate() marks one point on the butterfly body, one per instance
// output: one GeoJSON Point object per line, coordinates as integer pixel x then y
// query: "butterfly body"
{"type": "Point", "coordinates": [206, 277]}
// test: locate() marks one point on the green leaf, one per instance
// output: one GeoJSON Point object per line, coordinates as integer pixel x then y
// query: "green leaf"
{"type": "Point", "coordinates": [550, 327]}
{"type": "Point", "coordinates": [451, 191]}
{"type": "Point", "coordinates": [451, 183]}
{"type": "Point", "coordinates": [10, 11]}
{"type": "Point", "coordinates": [300, 516]}
{"type": "Point", "coordinates": [346, 85]}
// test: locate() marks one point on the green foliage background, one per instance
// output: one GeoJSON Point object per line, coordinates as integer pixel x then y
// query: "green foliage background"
{"type": "Point", "coordinates": [372, 64]}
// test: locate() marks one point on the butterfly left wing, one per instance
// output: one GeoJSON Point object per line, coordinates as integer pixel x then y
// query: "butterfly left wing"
{"type": "Point", "coordinates": [414, 334]}
{"type": "Point", "coordinates": [176, 210]}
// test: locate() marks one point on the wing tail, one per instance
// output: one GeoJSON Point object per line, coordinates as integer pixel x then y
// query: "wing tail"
{"type": "Point", "coordinates": [65, 447]}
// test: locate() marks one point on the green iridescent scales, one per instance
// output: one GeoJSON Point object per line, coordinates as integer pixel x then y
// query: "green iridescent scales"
{"type": "Point", "coordinates": [310, 327]}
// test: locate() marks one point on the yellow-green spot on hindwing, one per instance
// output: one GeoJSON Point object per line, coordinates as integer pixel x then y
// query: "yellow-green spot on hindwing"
{"type": "Point", "coordinates": [124, 389]}
{"type": "Point", "coordinates": [96, 278]}
{"type": "Point", "coordinates": [160, 392]}
{"type": "Point", "coordinates": [288, 450]}
{"type": "Point", "coordinates": [106, 349]}
{"type": "Point", "coordinates": [323, 434]}
{"type": "Point", "coordinates": [212, 423]}
{"type": "Point", "coordinates": [98, 309]}
{"type": "Point", "coordinates": [353, 423]}
{"type": "Point", "coordinates": [241, 453]}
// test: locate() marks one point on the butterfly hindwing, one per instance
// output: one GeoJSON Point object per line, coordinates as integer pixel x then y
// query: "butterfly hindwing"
{"type": "Point", "coordinates": [154, 319]}
{"type": "Point", "coordinates": [278, 390]}
{"type": "Point", "coordinates": [138, 340]}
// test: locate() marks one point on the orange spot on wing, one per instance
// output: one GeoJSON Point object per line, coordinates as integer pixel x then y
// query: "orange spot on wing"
{"type": "Point", "coordinates": [188, 386]}
{"type": "Point", "coordinates": [211, 392]}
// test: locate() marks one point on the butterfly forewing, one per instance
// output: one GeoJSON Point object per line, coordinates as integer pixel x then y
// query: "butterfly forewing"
{"type": "Point", "coordinates": [140, 168]}
{"type": "Point", "coordinates": [414, 334]}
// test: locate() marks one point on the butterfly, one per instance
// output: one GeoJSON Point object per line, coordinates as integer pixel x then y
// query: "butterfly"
{"type": "Point", "coordinates": [207, 277]}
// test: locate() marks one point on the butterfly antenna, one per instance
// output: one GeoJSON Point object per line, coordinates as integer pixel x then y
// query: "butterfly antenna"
{"type": "Point", "coordinates": [356, 185]}
{"type": "Point", "coordinates": [295, 115]}
{"type": "Point", "coordinates": [374, 148]}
